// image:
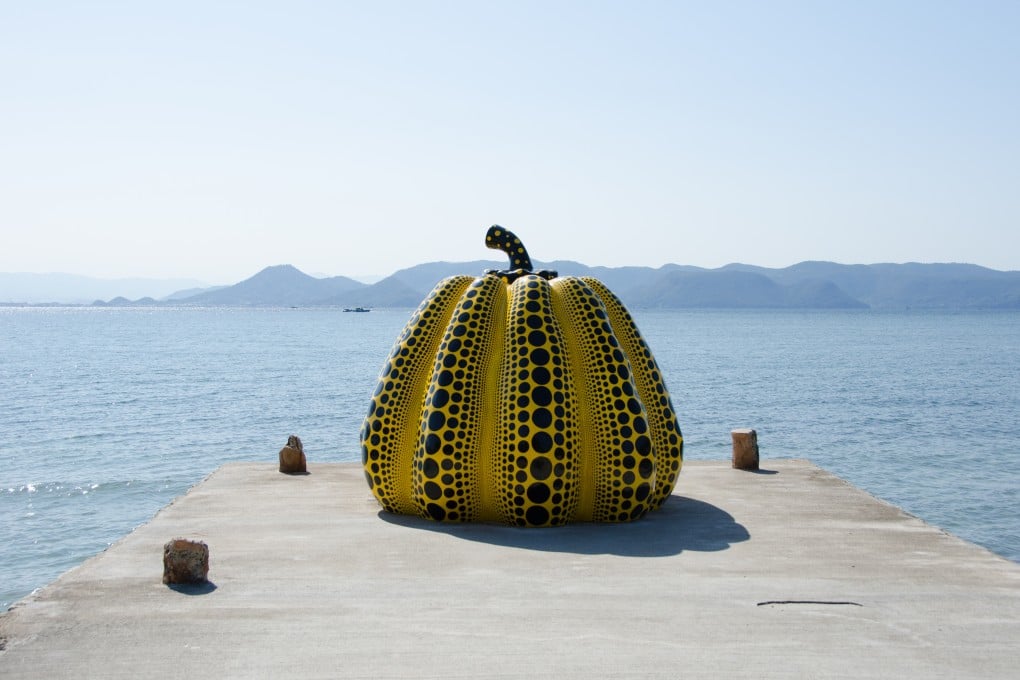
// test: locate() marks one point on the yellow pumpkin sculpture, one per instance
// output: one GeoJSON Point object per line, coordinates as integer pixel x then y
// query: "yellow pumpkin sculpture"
{"type": "Point", "coordinates": [521, 397]}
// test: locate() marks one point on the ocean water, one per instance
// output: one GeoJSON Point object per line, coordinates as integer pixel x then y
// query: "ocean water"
{"type": "Point", "coordinates": [108, 414]}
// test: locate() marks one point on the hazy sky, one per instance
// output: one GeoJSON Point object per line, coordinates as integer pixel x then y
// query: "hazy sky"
{"type": "Point", "coordinates": [212, 139]}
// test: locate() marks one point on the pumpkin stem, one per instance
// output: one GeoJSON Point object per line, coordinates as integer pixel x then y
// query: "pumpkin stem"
{"type": "Point", "coordinates": [499, 238]}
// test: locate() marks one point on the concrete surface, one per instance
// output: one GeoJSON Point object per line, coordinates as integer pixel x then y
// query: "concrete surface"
{"type": "Point", "coordinates": [785, 573]}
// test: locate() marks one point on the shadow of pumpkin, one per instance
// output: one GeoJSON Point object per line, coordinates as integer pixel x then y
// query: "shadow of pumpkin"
{"type": "Point", "coordinates": [680, 524]}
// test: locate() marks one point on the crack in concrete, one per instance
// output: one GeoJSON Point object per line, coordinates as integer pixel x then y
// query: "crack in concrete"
{"type": "Point", "coordinates": [837, 602]}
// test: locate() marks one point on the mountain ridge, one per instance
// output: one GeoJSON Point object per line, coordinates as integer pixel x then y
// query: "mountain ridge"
{"type": "Point", "coordinates": [34, 288]}
{"type": "Point", "coordinates": [805, 285]}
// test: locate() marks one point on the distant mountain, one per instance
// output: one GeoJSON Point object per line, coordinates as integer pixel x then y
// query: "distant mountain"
{"type": "Point", "coordinates": [189, 292]}
{"type": "Point", "coordinates": [423, 277]}
{"type": "Point", "coordinates": [911, 285]}
{"type": "Point", "coordinates": [807, 285]}
{"type": "Point", "coordinates": [75, 289]}
{"type": "Point", "coordinates": [281, 285]}
{"type": "Point", "coordinates": [286, 286]}
{"type": "Point", "coordinates": [720, 289]}
{"type": "Point", "coordinates": [390, 292]}
{"type": "Point", "coordinates": [121, 301]}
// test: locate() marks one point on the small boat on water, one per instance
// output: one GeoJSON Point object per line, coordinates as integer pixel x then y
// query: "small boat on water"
{"type": "Point", "coordinates": [357, 309]}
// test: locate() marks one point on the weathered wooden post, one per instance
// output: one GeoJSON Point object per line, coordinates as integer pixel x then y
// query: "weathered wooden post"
{"type": "Point", "coordinates": [292, 457]}
{"type": "Point", "coordinates": [745, 449]}
{"type": "Point", "coordinates": [185, 562]}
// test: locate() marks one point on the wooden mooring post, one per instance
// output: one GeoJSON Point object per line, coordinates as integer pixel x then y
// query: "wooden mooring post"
{"type": "Point", "coordinates": [745, 449]}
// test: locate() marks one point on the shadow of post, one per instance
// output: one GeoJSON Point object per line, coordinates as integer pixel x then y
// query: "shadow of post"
{"type": "Point", "coordinates": [203, 588]}
{"type": "Point", "coordinates": [680, 524]}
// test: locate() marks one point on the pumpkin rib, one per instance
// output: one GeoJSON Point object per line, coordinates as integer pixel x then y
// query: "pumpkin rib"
{"type": "Point", "coordinates": [622, 450]}
{"type": "Point", "coordinates": [665, 430]}
{"type": "Point", "coordinates": [490, 367]}
{"type": "Point", "coordinates": [537, 477]}
{"type": "Point", "coordinates": [390, 430]}
{"type": "Point", "coordinates": [584, 509]}
{"type": "Point", "coordinates": [446, 469]}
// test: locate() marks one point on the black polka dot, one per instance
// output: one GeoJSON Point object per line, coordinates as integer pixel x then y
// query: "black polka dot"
{"type": "Point", "coordinates": [542, 396]}
{"type": "Point", "coordinates": [430, 468]}
{"type": "Point", "coordinates": [539, 492]}
{"type": "Point", "coordinates": [541, 468]}
{"type": "Point", "coordinates": [541, 376]}
{"type": "Point", "coordinates": [433, 490]}
{"type": "Point", "coordinates": [537, 515]}
{"type": "Point", "coordinates": [646, 468]}
{"type": "Point", "coordinates": [542, 442]}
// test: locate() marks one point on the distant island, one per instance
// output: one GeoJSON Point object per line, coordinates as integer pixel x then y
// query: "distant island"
{"type": "Point", "coordinates": [807, 285]}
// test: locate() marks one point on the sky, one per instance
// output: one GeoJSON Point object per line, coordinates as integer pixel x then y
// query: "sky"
{"type": "Point", "coordinates": [209, 140]}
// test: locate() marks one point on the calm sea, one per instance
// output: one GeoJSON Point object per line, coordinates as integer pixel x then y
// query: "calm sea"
{"type": "Point", "coordinates": [108, 414]}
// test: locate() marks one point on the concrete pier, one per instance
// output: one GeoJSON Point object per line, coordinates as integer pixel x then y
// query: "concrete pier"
{"type": "Point", "coordinates": [787, 572]}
